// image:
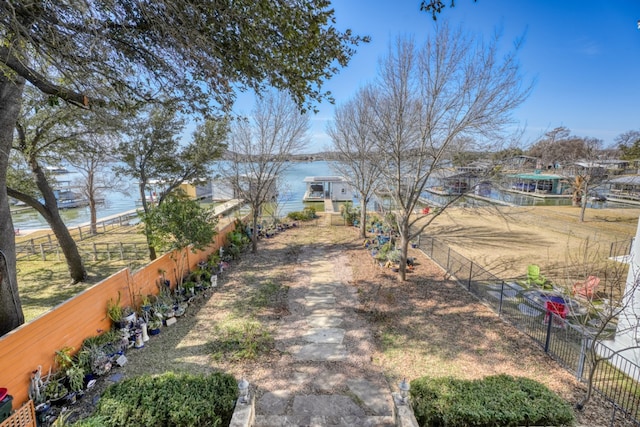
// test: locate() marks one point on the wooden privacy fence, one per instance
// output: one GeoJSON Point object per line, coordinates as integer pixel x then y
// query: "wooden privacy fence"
{"type": "Point", "coordinates": [34, 344]}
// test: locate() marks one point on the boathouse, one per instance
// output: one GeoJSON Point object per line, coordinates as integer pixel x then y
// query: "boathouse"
{"type": "Point", "coordinates": [334, 188]}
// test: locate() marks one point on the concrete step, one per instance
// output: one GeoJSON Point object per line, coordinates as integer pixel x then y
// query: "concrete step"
{"type": "Point", "coordinates": [322, 421]}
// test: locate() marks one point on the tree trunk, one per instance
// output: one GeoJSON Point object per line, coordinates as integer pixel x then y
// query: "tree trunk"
{"type": "Point", "coordinates": [51, 214]}
{"type": "Point", "coordinates": [254, 234]}
{"type": "Point", "coordinates": [11, 315]}
{"type": "Point", "coordinates": [363, 220]}
{"type": "Point", "coordinates": [93, 221]}
{"type": "Point", "coordinates": [147, 228]}
{"type": "Point", "coordinates": [404, 250]}
{"type": "Point", "coordinates": [583, 205]}
{"type": "Point", "coordinates": [92, 205]}
{"type": "Point", "coordinates": [68, 246]}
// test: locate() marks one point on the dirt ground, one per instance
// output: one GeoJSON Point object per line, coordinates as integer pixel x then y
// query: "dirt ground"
{"type": "Point", "coordinates": [428, 325]}
{"type": "Point", "coordinates": [505, 240]}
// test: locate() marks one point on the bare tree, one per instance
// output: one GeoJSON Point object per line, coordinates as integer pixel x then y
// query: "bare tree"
{"type": "Point", "coordinates": [93, 158]}
{"type": "Point", "coordinates": [428, 103]}
{"type": "Point", "coordinates": [559, 147]}
{"type": "Point", "coordinates": [259, 149]}
{"type": "Point", "coordinates": [629, 143]}
{"type": "Point", "coordinates": [351, 134]}
{"type": "Point", "coordinates": [591, 174]}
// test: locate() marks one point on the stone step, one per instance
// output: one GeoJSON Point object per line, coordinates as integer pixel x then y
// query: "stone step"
{"type": "Point", "coordinates": [321, 353]}
{"type": "Point", "coordinates": [322, 421]}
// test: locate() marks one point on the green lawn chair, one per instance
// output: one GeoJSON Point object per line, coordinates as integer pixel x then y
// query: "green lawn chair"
{"type": "Point", "coordinates": [534, 277]}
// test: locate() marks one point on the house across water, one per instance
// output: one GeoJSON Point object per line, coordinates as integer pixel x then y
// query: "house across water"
{"type": "Point", "coordinates": [538, 184]}
{"type": "Point", "coordinates": [333, 188]}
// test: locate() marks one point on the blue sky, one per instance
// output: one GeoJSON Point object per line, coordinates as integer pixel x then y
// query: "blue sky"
{"type": "Point", "coordinates": [583, 54]}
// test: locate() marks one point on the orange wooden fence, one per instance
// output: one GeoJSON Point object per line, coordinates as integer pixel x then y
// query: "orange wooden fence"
{"type": "Point", "coordinates": [35, 343]}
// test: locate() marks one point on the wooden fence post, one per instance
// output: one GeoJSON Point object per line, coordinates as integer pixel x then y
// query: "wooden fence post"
{"type": "Point", "coordinates": [42, 253]}
{"type": "Point", "coordinates": [121, 252]}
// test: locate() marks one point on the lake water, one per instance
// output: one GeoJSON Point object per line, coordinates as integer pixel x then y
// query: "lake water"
{"type": "Point", "coordinates": [290, 198]}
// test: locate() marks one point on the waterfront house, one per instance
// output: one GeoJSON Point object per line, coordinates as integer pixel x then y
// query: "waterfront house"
{"type": "Point", "coordinates": [625, 188]}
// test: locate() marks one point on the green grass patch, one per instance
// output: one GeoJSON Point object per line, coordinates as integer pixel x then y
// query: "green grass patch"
{"type": "Point", "coordinates": [45, 284]}
{"type": "Point", "coordinates": [241, 340]}
{"type": "Point", "coordinates": [260, 296]}
{"type": "Point", "coordinates": [499, 400]}
{"type": "Point", "coordinates": [266, 294]}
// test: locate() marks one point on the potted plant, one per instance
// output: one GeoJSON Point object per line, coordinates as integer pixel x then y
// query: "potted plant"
{"type": "Point", "coordinates": [63, 358]}
{"type": "Point", "coordinates": [115, 313]}
{"type": "Point", "coordinates": [189, 288]}
{"type": "Point", "coordinates": [75, 376]}
{"type": "Point", "coordinates": [93, 359]}
{"type": "Point", "coordinates": [154, 326]}
{"type": "Point", "coordinates": [145, 303]}
{"type": "Point", "coordinates": [128, 315]}
{"type": "Point", "coordinates": [55, 392]}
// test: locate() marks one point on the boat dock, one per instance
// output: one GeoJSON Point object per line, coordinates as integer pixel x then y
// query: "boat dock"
{"type": "Point", "coordinates": [328, 206]}
{"type": "Point", "coordinates": [227, 207]}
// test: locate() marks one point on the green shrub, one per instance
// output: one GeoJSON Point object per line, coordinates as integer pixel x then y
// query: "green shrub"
{"type": "Point", "coordinates": [349, 213]}
{"type": "Point", "coordinates": [307, 214]}
{"type": "Point", "coordinates": [167, 400]}
{"type": "Point", "coordinates": [499, 400]}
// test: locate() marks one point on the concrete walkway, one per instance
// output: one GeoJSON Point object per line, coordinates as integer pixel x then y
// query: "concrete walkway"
{"type": "Point", "coordinates": [328, 206]}
{"type": "Point", "coordinates": [330, 380]}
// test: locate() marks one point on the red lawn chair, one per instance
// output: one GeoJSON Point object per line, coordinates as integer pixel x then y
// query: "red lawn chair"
{"type": "Point", "coordinates": [586, 288]}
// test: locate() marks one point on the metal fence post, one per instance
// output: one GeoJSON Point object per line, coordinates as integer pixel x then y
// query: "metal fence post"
{"type": "Point", "coordinates": [432, 243]}
{"type": "Point", "coordinates": [448, 256]}
{"type": "Point", "coordinates": [547, 340]}
{"type": "Point", "coordinates": [501, 298]}
{"type": "Point", "coordinates": [471, 274]}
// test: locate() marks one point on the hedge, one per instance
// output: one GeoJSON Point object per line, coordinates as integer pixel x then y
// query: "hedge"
{"type": "Point", "coordinates": [499, 400]}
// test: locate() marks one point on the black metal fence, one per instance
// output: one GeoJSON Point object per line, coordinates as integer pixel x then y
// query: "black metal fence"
{"type": "Point", "coordinates": [615, 378]}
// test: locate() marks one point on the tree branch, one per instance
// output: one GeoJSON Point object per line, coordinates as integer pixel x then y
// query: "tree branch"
{"type": "Point", "coordinates": [39, 81]}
